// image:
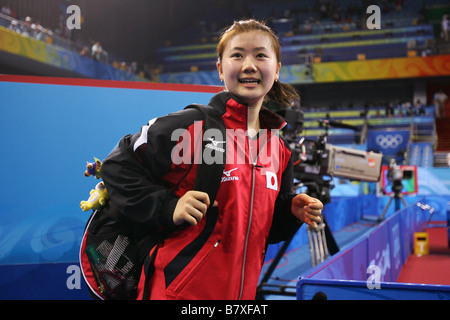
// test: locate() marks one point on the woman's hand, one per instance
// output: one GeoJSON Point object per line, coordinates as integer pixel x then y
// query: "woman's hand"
{"type": "Point", "coordinates": [307, 209]}
{"type": "Point", "coordinates": [191, 207]}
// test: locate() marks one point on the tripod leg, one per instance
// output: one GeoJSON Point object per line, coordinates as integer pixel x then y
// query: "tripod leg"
{"type": "Point", "coordinates": [332, 245]}
{"type": "Point", "coordinates": [320, 244]}
{"type": "Point", "coordinates": [386, 209]}
{"type": "Point", "coordinates": [324, 241]}
{"type": "Point", "coordinates": [316, 248]}
{"type": "Point", "coordinates": [403, 200]}
{"type": "Point", "coordinates": [397, 203]}
{"type": "Point", "coordinates": [276, 260]}
{"type": "Point", "coordinates": [311, 247]}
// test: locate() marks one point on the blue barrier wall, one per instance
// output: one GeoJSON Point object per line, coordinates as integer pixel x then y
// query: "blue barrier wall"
{"type": "Point", "coordinates": [49, 131]}
{"type": "Point", "coordinates": [346, 275]}
{"type": "Point", "coordinates": [345, 210]}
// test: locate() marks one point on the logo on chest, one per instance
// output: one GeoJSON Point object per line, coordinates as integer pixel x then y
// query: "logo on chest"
{"type": "Point", "coordinates": [228, 177]}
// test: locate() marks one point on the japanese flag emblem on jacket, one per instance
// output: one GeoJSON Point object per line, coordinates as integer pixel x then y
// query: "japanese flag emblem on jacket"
{"type": "Point", "coordinates": [271, 181]}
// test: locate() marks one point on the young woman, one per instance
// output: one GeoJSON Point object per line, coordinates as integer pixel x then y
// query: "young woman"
{"type": "Point", "coordinates": [255, 203]}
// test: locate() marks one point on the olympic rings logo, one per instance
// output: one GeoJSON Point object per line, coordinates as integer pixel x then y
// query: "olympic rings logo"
{"type": "Point", "coordinates": [389, 141]}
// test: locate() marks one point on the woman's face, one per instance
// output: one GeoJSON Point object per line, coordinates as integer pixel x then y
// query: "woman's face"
{"type": "Point", "coordinates": [249, 66]}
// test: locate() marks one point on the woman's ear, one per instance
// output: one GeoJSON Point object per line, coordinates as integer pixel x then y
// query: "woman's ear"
{"type": "Point", "coordinates": [219, 70]}
{"type": "Point", "coordinates": [277, 74]}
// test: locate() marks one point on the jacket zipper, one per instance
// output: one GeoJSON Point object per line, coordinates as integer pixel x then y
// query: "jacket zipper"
{"type": "Point", "coordinates": [254, 166]}
{"type": "Point", "coordinates": [248, 232]}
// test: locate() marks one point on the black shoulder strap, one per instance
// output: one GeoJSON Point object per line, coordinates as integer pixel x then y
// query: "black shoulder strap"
{"type": "Point", "coordinates": [213, 158]}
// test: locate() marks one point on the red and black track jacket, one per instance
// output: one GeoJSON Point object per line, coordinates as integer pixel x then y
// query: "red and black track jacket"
{"type": "Point", "coordinates": [222, 259]}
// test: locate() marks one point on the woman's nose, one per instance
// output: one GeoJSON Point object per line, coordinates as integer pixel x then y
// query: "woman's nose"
{"type": "Point", "coordinates": [249, 65]}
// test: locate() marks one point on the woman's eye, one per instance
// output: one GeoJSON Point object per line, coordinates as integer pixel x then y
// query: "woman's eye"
{"type": "Point", "coordinates": [236, 55]}
{"type": "Point", "coordinates": [261, 55]}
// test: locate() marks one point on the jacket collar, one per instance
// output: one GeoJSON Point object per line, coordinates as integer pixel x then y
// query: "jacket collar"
{"type": "Point", "coordinates": [236, 110]}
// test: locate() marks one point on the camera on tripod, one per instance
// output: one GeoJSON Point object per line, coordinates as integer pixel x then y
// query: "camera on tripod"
{"type": "Point", "coordinates": [396, 174]}
{"type": "Point", "coordinates": [392, 183]}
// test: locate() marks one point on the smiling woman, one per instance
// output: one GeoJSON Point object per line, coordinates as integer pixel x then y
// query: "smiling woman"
{"type": "Point", "coordinates": [217, 248]}
{"type": "Point", "coordinates": [249, 67]}
{"type": "Point", "coordinates": [266, 47]}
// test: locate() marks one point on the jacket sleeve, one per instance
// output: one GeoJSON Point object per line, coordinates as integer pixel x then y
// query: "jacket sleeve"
{"type": "Point", "coordinates": [133, 171]}
{"type": "Point", "coordinates": [284, 224]}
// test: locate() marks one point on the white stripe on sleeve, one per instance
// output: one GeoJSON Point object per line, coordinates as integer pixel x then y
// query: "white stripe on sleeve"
{"type": "Point", "coordinates": [143, 137]}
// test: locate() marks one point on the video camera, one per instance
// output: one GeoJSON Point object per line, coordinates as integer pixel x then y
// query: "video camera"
{"type": "Point", "coordinates": [326, 159]}
{"type": "Point", "coordinates": [317, 162]}
{"type": "Point", "coordinates": [396, 175]}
